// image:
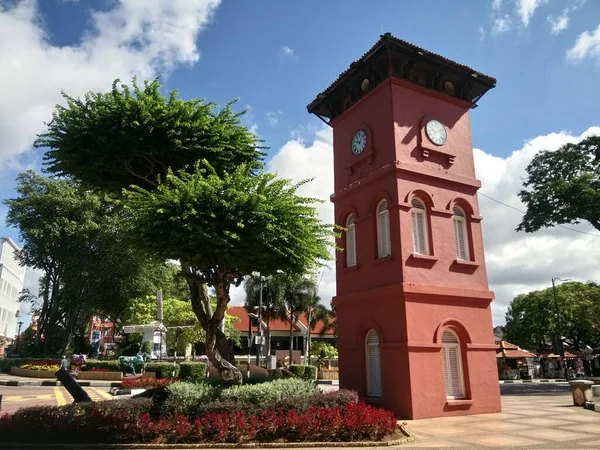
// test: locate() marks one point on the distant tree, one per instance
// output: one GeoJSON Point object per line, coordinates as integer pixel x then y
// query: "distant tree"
{"type": "Point", "coordinates": [532, 320]}
{"type": "Point", "coordinates": [224, 228]}
{"type": "Point", "coordinates": [563, 187]}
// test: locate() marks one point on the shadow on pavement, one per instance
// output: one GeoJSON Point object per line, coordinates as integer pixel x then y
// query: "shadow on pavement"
{"type": "Point", "coordinates": [534, 389]}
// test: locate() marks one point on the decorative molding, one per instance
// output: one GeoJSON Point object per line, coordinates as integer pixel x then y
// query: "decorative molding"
{"type": "Point", "coordinates": [481, 347]}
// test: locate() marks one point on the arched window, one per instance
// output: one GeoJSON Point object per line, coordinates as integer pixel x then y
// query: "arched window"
{"type": "Point", "coordinates": [420, 227]}
{"type": "Point", "coordinates": [350, 242]}
{"type": "Point", "coordinates": [373, 364]}
{"type": "Point", "coordinates": [461, 234]}
{"type": "Point", "coordinates": [453, 370]}
{"type": "Point", "coordinates": [384, 245]}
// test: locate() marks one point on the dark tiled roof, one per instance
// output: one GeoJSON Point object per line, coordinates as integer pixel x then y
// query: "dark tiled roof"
{"type": "Point", "coordinates": [385, 38]}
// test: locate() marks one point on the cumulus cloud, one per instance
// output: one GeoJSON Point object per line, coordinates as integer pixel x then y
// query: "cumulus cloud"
{"type": "Point", "coordinates": [587, 45]}
{"type": "Point", "coordinates": [516, 262]}
{"type": "Point", "coordinates": [286, 51]}
{"type": "Point", "coordinates": [131, 38]}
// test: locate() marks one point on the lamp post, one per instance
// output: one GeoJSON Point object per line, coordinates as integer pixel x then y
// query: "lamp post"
{"type": "Point", "coordinates": [259, 345]}
{"type": "Point", "coordinates": [250, 317]}
{"type": "Point", "coordinates": [20, 323]}
{"type": "Point", "coordinates": [559, 343]}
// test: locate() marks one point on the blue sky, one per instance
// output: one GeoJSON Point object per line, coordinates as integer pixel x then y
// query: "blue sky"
{"type": "Point", "coordinates": [276, 56]}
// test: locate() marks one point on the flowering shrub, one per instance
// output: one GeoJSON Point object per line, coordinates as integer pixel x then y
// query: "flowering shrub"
{"type": "Point", "coordinates": [146, 383]}
{"type": "Point", "coordinates": [41, 364]}
{"type": "Point", "coordinates": [107, 422]}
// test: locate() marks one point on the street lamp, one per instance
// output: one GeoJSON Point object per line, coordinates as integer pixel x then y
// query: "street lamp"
{"type": "Point", "coordinates": [20, 323]}
{"type": "Point", "coordinates": [250, 317]}
{"type": "Point", "coordinates": [559, 342]}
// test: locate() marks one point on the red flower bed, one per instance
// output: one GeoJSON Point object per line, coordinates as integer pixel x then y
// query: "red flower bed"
{"type": "Point", "coordinates": [99, 424]}
{"type": "Point", "coordinates": [146, 383]}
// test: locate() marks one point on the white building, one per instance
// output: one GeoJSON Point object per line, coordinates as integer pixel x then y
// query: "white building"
{"type": "Point", "coordinates": [12, 276]}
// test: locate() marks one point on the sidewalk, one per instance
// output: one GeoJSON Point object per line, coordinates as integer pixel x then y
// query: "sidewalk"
{"type": "Point", "coordinates": [11, 380]}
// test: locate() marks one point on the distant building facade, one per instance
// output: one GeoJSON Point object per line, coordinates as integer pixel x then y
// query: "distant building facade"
{"type": "Point", "coordinates": [12, 277]}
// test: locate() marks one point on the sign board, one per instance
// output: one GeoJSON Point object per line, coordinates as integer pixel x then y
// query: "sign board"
{"type": "Point", "coordinates": [259, 340]}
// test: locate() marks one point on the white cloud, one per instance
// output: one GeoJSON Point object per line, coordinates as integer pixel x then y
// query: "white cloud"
{"type": "Point", "coordinates": [481, 32]}
{"type": "Point", "coordinates": [132, 38]}
{"type": "Point", "coordinates": [526, 9]}
{"type": "Point", "coordinates": [587, 45]}
{"type": "Point", "coordinates": [273, 117]}
{"type": "Point", "coordinates": [560, 23]}
{"type": "Point", "coordinates": [286, 51]}
{"type": "Point", "coordinates": [516, 262]}
{"type": "Point", "coordinates": [501, 25]}
{"type": "Point", "coordinates": [496, 5]}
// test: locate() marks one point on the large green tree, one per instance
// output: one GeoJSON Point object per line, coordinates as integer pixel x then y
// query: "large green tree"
{"type": "Point", "coordinates": [535, 319]}
{"type": "Point", "coordinates": [563, 187]}
{"type": "Point", "coordinates": [77, 240]}
{"type": "Point", "coordinates": [111, 141]}
{"type": "Point", "coordinates": [225, 227]}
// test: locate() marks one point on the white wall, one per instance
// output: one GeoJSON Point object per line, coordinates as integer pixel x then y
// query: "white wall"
{"type": "Point", "coordinates": [12, 276]}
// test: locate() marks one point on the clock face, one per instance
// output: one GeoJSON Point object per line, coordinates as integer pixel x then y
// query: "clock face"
{"type": "Point", "coordinates": [359, 142]}
{"type": "Point", "coordinates": [436, 132]}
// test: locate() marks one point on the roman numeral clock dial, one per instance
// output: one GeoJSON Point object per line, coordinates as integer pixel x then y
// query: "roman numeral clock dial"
{"type": "Point", "coordinates": [436, 132]}
{"type": "Point", "coordinates": [359, 142]}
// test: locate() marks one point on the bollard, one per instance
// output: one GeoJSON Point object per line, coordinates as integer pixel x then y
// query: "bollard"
{"type": "Point", "coordinates": [76, 391]}
{"type": "Point", "coordinates": [0, 402]}
{"type": "Point", "coordinates": [582, 391]}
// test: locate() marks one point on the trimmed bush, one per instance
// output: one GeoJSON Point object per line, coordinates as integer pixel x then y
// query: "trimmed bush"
{"type": "Point", "coordinates": [184, 397]}
{"type": "Point", "coordinates": [304, 371]}
{"type": "Point", "coordinates": [7, 363]}
{"type": "Point", "coordinates": [110, 422]}
{"type": "Point", "coordinates": [269, 392]}
{"type": "Point", "coordinates": [110, 366]}
{"type": "Point", "coordinates": [192, 370]}
{"type": "Point", "coordinates": [163, 369]}
{"type": "Point", "coordinates": [146, 383]}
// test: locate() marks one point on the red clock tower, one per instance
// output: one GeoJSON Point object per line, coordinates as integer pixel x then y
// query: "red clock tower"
{"type": "Point", "coordinates": [413, 303]}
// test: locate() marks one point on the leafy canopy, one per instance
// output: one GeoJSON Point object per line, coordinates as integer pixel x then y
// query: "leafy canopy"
{"type": "Point", "coordinates": [125, 137]}
{"type": "Point", "coordinates": [563, 187]}
{"type": "Point", "coordinates": [230, 226]}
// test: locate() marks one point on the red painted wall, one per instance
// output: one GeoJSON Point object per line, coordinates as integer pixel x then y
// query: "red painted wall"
{"type": "Point", "coordinates": [409, 299]}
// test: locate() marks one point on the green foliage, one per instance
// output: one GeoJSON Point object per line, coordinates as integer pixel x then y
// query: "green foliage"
{"type": "Point", "coordinates": [112, 366]}
{"type": "Point", "coordinates": [163, 369]}
{"type": "Point", "coordinates": [323, 350]}
{"type": "Point", "coordinates": [186, 397]}
{"type": "Point", "coordinates": [77, 239]}
{"type": "Point", "coordinates": [531, 320]}
{"type": "Point", "coordinates": [563, 186]}
{"type": "Point", "coordinates": [304, 371]}
{"type": "Point", "coordinates": [126, 137]}
{"type": "Point", "coordinates": [192, 370]}
{"type": "Point", "coordinates": [7, 363]}
{"type": "Point", "coordinates": [230, 226]}
{"type": "Point", "coordinates": [269, 392]}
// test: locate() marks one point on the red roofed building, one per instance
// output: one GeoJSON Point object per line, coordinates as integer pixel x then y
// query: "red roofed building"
{"type": "Point", "coordinates": [280, 332]}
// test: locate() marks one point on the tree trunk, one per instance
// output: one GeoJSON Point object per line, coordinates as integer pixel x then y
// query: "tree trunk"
{"type": "Point", "coordinates": [217, 348]}
{"type": "Point", "coordinates": [307, 346]}
{"type": "Point", "coordinates": [291, 336]}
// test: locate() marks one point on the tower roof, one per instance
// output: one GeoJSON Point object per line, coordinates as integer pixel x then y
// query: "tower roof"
{"type": "Point", "coordinates": [393, 57]}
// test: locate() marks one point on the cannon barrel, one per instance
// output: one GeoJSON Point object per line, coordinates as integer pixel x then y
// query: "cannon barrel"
{"type": "Point", "coordinates": [76, 391]}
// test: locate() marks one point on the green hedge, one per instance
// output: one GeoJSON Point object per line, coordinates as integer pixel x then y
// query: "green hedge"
{"type": "Point", "coordinates": [111, 366]}
{"type": "Point", "coordinates": [271, 391]}
{"type": "Point", "coordinates": [304, 371]}
{"type": "Point", "coordinates": [163, 369]}
{"type": "Point", "coordinates": [192, 370]}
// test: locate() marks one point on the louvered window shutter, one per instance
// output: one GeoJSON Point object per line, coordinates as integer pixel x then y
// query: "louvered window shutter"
{"type": "Point", "coordinates": [420, 228]}
{"type": "Point", "coordinates": [373, 364]}
{"type": "Point", "coordinates": [460, 234]}
{"type": "Point", "coordinates": [452, 364]}
{"type": "Point", "coordinates": [383, 230]}
{"type": "Point", "coordinates": [350, 242]}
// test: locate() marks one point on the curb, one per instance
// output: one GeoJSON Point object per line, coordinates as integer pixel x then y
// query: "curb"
{"type": "Point", "coordinates": [58, 383]}
{"type": "Point", "coordinates": [532, 381]}
{"type": "Point", "coordinates": [407, 437]}
{"type": "Point", "coordinates": [329, 382]}
{"type": "Point", "coordinates": [592, 406]}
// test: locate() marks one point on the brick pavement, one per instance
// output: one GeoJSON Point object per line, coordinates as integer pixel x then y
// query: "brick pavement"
{"type": "Point", "coordinates": [528, 422]}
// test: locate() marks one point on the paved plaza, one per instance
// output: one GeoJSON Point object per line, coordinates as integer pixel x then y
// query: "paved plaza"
{"type": "Point", "coordinates": [529, 420]}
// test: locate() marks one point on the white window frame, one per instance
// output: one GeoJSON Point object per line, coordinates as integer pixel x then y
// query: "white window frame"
{"type": "Point", "coordinates": [384, 244]}
{"type": "Point", "coordinates": [452, 343]}
{"type": "Point", "coordinates": [350, 242]}
{"type": "Point", "coordinates": [461, 231]}
{"type": "Point", "coordinates": [420, 227]}
{"type": "Point", "coordinates": [374, 386]}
